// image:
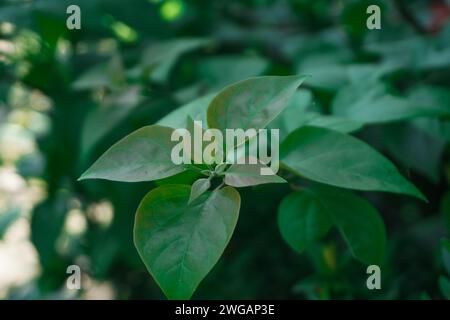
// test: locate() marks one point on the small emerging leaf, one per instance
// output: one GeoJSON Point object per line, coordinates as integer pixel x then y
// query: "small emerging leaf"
{"type": "Point", "coordinates": [198, 188]}
{"type": "Point", "coordinates": [244, 175]}
{"type": "Point", "coordinates": [220, 168]}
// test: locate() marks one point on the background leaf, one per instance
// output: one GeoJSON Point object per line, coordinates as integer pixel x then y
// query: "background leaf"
{"type": "Point", "coordinates": [358, 222]}
{"type": "Point", "coordinates": [302, 219]}
{"type": "Point", "coordinates": [373, 103]}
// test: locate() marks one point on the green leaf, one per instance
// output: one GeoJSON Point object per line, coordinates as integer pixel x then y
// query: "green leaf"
{"type": "Point", "coordinates": [417, 53]}
{"type": "Point", "coordinates": [251, 103]}
{"type": "Point", "coordinates": [341, 160]}
{"type": "Point", "coordinates": [244, 175]}
{"type": "Point", "coordinates": [97, 76]}
{"type": "Point", "coordinates": [296, 115]}
{"type": "Point", "coordinates": [357, 220]}
{"type": "Point", "coordinates": [439, 128]}
{"type": "Point", "coordinates": [220, 168]}
{"type": "Point", "coordinates": [116, 109]}
{"type": "Point", "coordinates": [332, 122]}
{"type": "Point", "coordinates": [199, 187]}
{"type": "Point", "coordinates": [302, 219]}
{"type": "Point", "coordinates": [307, 215]}
{"type": "Point", "coordinates": [373, 103]}
{"type": "Point", "coordinates": [414, 148]}
{"type": "Point", "coordinates": [292, 115]}
{"type": "Point", "coordinates": [110, 75]}
{"type": "Point", "coordinates": [143, 155]}
{"type": "Point", "coordinates": [329, 77]}
{"type": "Point", "coordinates": [162, 56]}
{"type": "Point", "coordinates": [195, 109]}
{"type": "Point", "coordinates": [185, 177]}
{"type": "Point", "coordinates": [47, 222]}
{"type": "Point", "coordinates": [432, 97]}
{"type": "Point", "coordinates": [181, 243]}
{"type": "Point", "coordinates": [220, 71]}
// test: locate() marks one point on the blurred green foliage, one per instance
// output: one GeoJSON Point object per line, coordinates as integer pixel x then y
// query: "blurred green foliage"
{"type": "Point", "coordinates": [67, 95]}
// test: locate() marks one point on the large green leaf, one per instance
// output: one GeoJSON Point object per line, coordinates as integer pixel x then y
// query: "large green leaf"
{"type": "Point", "coordinates": [181, 243]}
{"type": "Point", "coordinates": [302, 219]}
{"type": "Point", "coordinates": [143, 155]}
{"type": "Point", "coordinates": [251, 103]}
{"type": "Point", "coordinates": [341, 160]}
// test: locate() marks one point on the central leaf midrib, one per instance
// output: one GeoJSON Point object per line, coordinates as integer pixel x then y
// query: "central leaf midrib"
{"type": "Point", "coordinates": [194, 230]}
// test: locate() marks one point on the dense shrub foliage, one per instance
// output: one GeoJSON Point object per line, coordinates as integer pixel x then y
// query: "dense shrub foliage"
{"type": "Point", "coordinates": [363, 128]}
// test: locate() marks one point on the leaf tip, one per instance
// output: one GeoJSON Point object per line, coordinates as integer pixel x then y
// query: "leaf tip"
{"type": "Point", "coordinates": [86, 175]}
{"type": "Point", "coordinates": [418, 194]}
{"type": "Point", "coordinates": [422, 197]}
